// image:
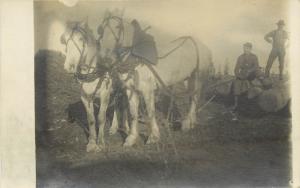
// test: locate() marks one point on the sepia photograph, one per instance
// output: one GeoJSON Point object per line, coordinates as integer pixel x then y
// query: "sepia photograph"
{"type": "Point", "coordinates": [162, 93]}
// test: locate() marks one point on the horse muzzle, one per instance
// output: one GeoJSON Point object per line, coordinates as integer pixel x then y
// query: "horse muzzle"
{"type": "Point", "coordinates": [70, 69]}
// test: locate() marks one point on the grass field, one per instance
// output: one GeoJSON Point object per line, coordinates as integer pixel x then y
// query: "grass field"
{"type": "Point", "coordinates": [219, 152]}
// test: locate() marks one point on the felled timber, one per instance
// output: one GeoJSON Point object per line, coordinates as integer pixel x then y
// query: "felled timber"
{"type": "Point", "coordinates": [270, 95]}
{"type": "Point", "coordinates": [274, 99]}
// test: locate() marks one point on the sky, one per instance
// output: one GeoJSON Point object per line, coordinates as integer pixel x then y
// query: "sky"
{"type": "Point", "coordinates": [223, 26]}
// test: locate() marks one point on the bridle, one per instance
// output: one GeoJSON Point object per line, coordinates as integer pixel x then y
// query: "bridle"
{"type": "Point", "coordinates": [82, 59]}
{"type": "Point", "coordinates": [118, 35]}
{"type": "Point", "coordinates": [106, 24]}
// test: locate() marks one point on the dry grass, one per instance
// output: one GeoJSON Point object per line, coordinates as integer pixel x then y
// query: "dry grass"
{"type": "Point", "coordinates": [218, 152]}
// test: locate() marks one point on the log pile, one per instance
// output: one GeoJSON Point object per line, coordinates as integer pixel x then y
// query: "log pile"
{"type": "Point", "coordinates": [274, 99]}
{"type": "Point", "coordinates": [270, 95]}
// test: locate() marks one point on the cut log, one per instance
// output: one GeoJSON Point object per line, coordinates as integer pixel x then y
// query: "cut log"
{"type": "Point", "coordinates": [273, 100]}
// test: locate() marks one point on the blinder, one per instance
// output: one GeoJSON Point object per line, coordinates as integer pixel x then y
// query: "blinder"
{"type": "Point", "coordinates": [63, 39]}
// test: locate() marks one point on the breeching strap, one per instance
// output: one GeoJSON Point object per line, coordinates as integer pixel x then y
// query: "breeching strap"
{"type": "Point", "coordinates": [154, 72]}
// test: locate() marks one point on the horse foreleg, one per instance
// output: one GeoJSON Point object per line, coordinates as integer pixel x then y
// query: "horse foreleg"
{"type": "Point", "coordinates": [123, 113]}
{"type": "Point", "coordinates": [133, 109]}
{"type": "Point", "coordinates": [120, 115]}
{"type": "Point", "coordinates": [91, 146]}
{"type": "Point", "coordinates": [154, 135]}
{"type": "Point", "coordinates": [125, 121]}
{"type": "Point", "coordinates": [104, 98]}
{"type": "Point", "coordinates": [114, 125]}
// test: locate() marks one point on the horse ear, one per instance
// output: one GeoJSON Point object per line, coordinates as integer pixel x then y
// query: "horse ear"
{"type": "Point", "coordinates": [63, 39]}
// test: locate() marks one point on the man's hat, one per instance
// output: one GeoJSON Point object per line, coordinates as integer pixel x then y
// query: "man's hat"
{"type": "Point", "coordinates": [280, 22]}
{"type": "Point", "coordinates": [248, 44]}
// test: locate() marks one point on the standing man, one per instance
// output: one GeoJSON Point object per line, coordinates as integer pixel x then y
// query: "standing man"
{"type": "Point", "coordinates": [278, 39]}
{"type": "Point", "coordinates": [245, 71]}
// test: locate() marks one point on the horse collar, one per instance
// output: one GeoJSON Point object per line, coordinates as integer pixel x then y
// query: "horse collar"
{"type": "Point", "coordinates": [90, 75]}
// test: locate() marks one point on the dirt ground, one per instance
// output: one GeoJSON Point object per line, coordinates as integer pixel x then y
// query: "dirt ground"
{"type": "Point", "coordinates": [219, 152]}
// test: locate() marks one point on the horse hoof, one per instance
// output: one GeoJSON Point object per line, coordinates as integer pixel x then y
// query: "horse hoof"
{"type": "Point", "coordinates": [130, 141]}
{"type": "Point", "coordinates": [153, 139]}
{"type": "Point", "coordinates": [113, 130]}
{"type": "Point", "coordinates": [92, 147]}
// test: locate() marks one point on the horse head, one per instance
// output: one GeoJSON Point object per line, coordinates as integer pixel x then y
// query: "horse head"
{"type": "Point", "coordinates": [112, 35]}
{"type": "Point", "coordinates": [78, 39]}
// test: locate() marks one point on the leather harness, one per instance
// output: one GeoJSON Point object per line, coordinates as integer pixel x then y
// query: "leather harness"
{"type": "Point", "coordinates": [93, 73]}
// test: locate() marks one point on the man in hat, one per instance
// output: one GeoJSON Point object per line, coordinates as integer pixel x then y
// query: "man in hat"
{"type": "Point", "coordinates": [278, 39]}
{"type": "Point", "coordinates": [245, 71]}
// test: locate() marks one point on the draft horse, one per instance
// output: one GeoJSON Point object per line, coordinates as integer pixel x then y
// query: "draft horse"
{"type": "Point", "coordinates": [84, 61]}
{"type": "Point", "coordinates": [182, 64]}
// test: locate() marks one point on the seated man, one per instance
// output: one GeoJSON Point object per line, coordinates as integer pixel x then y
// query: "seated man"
{"type": "Point", "coordinates": [245, 71]}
